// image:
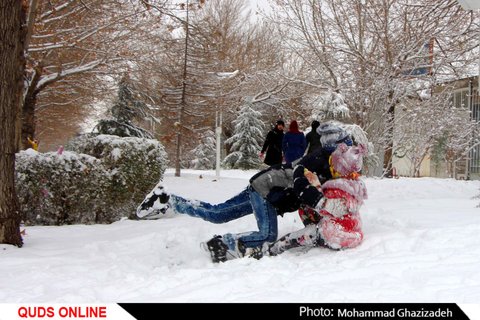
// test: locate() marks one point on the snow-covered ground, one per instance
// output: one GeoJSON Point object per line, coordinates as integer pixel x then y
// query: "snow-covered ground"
{"type": "Point", "coordinates": [422, 244]}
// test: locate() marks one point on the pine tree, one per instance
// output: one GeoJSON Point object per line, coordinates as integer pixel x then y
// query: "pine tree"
{"type": "Point", "coordinates": [204, 153]}
{"type": "Point", "coordinates": [128, 108]}
{"type": "Point", "coordinates": [248, 132]}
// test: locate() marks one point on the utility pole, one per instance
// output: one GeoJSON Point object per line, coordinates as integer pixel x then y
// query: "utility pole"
{"type": "Point", "coordinates": [218, 134]}
{"type": "Point", "coordinates": [219, 122]}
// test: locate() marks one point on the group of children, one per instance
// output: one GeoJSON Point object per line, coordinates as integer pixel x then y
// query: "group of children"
{"type": "Point", "coordinates": [323, 186]}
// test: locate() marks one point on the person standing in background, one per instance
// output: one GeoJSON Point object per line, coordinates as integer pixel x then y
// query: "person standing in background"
{"type": "Point", "coordinates": [313, 138]}
{"type": "Point", "coordinates": [294, 143]}
{"type": "Point", "coordinates": [273, 145]}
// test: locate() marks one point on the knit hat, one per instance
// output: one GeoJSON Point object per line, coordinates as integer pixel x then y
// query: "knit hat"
{"type": "Point", "coordinates": [331, 135]}
{"type": "Point", "coordinates": [280, 122]}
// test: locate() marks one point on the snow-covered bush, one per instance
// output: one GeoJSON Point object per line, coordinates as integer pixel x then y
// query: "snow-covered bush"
{"type": "Point", "coordinates": [55, 189]}
{"type": "Point", "coordinates": [135, 164]}
{"type": "Point", "coordinates": [102, 179]}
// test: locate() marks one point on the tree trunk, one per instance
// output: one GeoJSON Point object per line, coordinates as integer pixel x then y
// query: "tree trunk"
{"type": "Point", "coordinates": [27, 105]}
{"type": "Point", "coordinates": [388, 151]}
{"type": "Point", "coordinates": [12, 65]}
{"type": "Point", "coordinates": [178, 149]}
{"type": "Point", "coordinates": [28, 118]}
{"type": "Point", "coordinates": [21, 136]}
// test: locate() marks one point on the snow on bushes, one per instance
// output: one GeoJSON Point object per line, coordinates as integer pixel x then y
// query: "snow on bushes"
{"type": "Point", "coordinates": [137, 164]}
{"type": "Point", "coordinates": [102, 179]}
{"type": "Point", "coordinates": [58, 189]}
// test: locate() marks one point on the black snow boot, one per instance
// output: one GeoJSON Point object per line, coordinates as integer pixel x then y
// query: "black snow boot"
{"type": "Point", "coordinates": [218, 249]}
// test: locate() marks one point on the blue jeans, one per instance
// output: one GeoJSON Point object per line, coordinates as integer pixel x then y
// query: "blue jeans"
{"type": "Point", "coordinates": [246, 202]}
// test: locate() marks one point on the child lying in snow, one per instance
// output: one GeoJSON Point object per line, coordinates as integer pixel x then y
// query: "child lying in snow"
{"type": "Point", "coordinates": [335, 221]}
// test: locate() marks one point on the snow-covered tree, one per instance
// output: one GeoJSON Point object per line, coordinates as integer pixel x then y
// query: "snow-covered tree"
{"type": "Point", "coordinates": [70, 44]}
{"type": "Point", "coordinates": [330, 105]}
{"type": "Point", "coordinates": [204, 154]}
{"type": "Point", "coordinates": [443, 132]}
{"type": "Point", "coordinates": [206, 65]}
{"type": "Point", "coordinates": [373, 53]}
{"type": "Point", "coordinates": [248, 134]}
{"type": "Point", "coordinates": [129, 107]}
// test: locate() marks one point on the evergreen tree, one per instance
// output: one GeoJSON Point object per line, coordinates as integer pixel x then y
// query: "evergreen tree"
{"type": "Point", "coordinates": [204, 153]}
{"type": "Point", "coordinates": [248, 132]}
{"type": "Point", "coordinates": [129, 107]}
{"type": "Point", "coordinates": [330, 105]}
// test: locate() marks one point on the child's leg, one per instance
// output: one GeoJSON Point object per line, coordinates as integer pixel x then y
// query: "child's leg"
{"type": "Point", "coordinates": [307, 237]}
{"type": "Point", "coordinates": [309, 216]}
{"type": "Point", "coordinates": [266, 216]}
{"type": "Point", "coordinates": [234, 208]}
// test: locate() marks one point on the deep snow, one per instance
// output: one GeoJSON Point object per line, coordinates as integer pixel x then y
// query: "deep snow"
{"type": "Point", "coordinates": [422, 244]}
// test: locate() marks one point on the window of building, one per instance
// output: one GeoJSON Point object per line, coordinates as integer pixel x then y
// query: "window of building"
{"type": "Point", "coordinates": [474, 163]}
{"type": "Point", "coordinates": [460, 98]}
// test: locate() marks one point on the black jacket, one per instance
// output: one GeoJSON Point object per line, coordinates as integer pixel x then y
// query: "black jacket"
{"type": "Point", "coordinates": [273, 146]}
{"type": "Point", "coordinates": [313, 141]}
{"type": "Point", "coordinates": [287, 188]}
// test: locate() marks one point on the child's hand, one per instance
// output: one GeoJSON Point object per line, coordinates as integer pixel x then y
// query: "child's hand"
{"type": "Point", "coordinates": [312, 178]}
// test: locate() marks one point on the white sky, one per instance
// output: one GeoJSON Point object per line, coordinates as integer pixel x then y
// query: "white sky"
{"type": "Point", "coordinates": [259, 5]}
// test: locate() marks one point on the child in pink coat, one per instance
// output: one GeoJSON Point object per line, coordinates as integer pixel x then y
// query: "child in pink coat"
{"type": "Point", "coordinates": [335, 222]}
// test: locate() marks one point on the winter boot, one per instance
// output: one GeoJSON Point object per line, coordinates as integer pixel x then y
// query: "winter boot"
{"type": "Point", "coordinates": [218, 249]}
{"type": "Point", "coordinates": [236, 248]}
{"type": "Point", "coordinates": [256, 253]}
{"type": "Point", "coordinates": [223, 248]}
{"type": "Point", "coordinates": [155, 204]}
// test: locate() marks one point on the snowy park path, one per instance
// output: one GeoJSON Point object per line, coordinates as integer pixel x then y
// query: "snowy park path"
{"type": "Point", "coordinates": [422, 244]}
